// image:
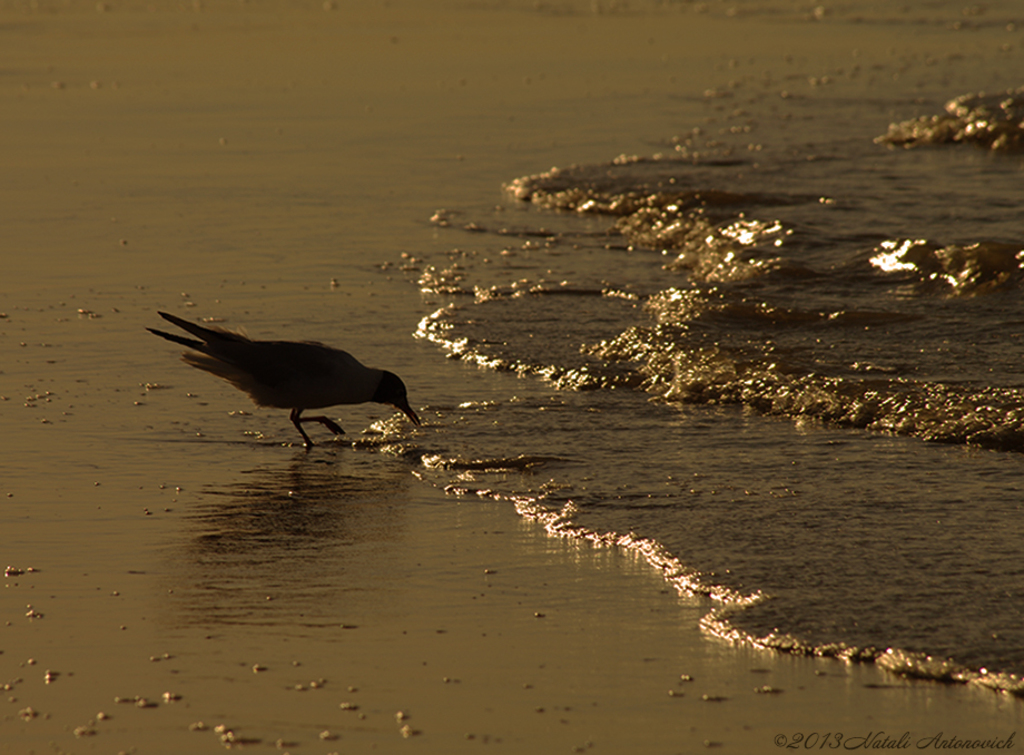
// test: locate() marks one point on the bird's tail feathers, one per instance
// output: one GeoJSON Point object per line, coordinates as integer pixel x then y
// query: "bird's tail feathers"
{"type": "Point", "coordinates": [207, 334]}
{"type": "Point", "coordinates": [177, 339]}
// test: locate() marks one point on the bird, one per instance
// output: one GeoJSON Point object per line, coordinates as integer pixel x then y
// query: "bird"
{"type": "Point", "coordinates": [296, 375]}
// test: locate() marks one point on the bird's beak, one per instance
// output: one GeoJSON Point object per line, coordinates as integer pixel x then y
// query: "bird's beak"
{"type": "Point", "coordinates": [407, 410]}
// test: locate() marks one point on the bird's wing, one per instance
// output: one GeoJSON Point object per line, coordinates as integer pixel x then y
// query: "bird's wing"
{"type": "Point", "coordinates": [276, 363]}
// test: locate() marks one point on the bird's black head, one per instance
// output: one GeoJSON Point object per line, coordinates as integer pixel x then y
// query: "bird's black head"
{"type": "Point", "coordinates": [391, 390]}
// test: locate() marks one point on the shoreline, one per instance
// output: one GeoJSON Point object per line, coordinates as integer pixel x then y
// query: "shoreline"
{"type": "Point", "coordinates": [687, 582]}
{"type": "Point", "coordinates": [472, 626]}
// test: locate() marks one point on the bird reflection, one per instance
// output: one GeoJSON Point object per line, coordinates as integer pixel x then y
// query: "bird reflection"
{"type": "Point", "coordinates": [281, 545]}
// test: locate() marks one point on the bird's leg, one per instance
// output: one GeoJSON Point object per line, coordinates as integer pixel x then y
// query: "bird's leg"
{"type": "Point", "coordinates": [330, 424]}
{"type": "Point", "coordinates": [296, 419]}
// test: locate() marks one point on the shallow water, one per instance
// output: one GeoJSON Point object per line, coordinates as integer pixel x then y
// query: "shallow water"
{"type": "Point", "coordinates": [651, 369]}
{"type": "Point", "coordinates": [780, 261]}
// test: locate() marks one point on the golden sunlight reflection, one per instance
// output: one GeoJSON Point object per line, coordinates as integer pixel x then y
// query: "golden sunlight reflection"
{"type": "Point", "coordinates": [891, 258]}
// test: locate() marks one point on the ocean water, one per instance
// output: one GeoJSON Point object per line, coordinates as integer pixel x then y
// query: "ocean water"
{"type": "Point", "coordinates": [787, 351]}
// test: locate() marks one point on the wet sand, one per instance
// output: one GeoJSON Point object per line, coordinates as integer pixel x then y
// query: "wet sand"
{"type": "Point", "coordinates": [500, 635]}
{"type": "Point", "coordinates": [265, 162]}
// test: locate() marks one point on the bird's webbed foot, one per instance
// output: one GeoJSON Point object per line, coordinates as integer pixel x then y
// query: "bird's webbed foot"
{"type": "Point", "coordinates": [330, 424]}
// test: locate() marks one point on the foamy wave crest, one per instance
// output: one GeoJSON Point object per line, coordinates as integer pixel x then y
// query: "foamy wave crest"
{"type": "Point", "coordinates": [679, 365]}
{"type": "Point", "coordinates": [440, 327]}
{"type": "Point", "coordinates": [979, 268]}
{"type": "Point", "coordinates": [904, 663]}
{"type": "Point", "coordinates": [684, 579]}
{"type": "Point", "coordinates": [993, 121]}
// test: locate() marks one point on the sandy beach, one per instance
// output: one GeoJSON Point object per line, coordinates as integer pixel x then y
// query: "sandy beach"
{"type": "Point", "coordinates": [180, 578]}
{"type": "Point", "coordinates": [502, 636]}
